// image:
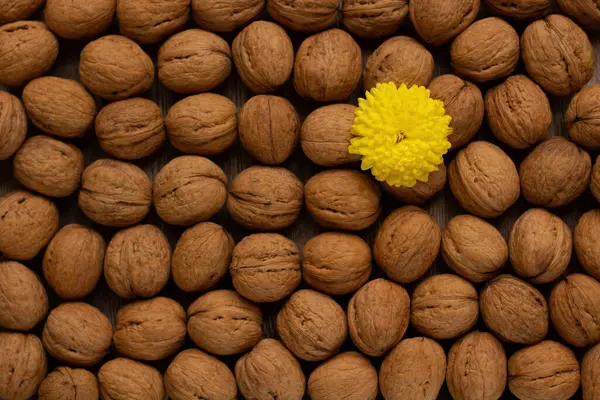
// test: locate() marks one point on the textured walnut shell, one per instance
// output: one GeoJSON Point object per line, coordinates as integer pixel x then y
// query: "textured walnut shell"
{"type": "Point", "coordinates": [269, 369]}
{"type": "Point", "coordinates": [540, 246]}
{"type": "Point", "coordinates": [66, 383]}
{"type": "Point", "coordinates": [422, 191]}
{"type": "Point", "coordinates": [586, 238]}
{"type": "Point", "coordinates": [558, 55]}
{"type": "Point", "coordinates": [378, 316]}
{"type": "Point", "coordinates": [195, 374]}
{"type": "Point", "coordinates": [439, 21]}
{"type": "Point", "coordinates": [59, 107]}
{"type": "Point", "coordinates": [226, 15]}
{"type": "Point", "coordinates": [48, 166]}
{"type": "Point", "coordinates": [115, 68]}
{"type": "Point", "coordinates": [374, 19]}
{"type": "Point", "coordinates": [223, 322]}
{"type": "Point", "coordinates": [150, 21]}
{"type": "Point", "coordinates": [414, 369]}
{"type": "Point", "coordinates": [115, 193]}
{"type": "Point", "coordinates": [304, 15]}
{"type": "Point", "coordinates": [518, 112]}
{"type": "Point", "coordinates": [27, 223]}
{"type": "Point", "coordinates": [79, 19]}
{"type": "Point", "coordinates": [400, 59]}
{"type": "Point", "coordinates": [123, 379]}
{"type": "Point", "coordinates": [73, 261]}
{"type": "Point", "coordinates": [16, 11]}
{"type": "Point", "coordinates": [29, 50]}
{"type": "Point", "coordinates": [194, 61]}
{"type": "Point", "coordinates": [265, 267]}
{"type": "Point", "coordinates": [77, 334]}
{"type": "Point", "coordinates": [555, 173]}
{"type": "Point", "coordinates": [547, 370]}
{"type": "Point", "coordinates": [23, 365]}
{"type": "Point", "coordinates": [201, 257]}
{"type": "Point", "coordinates": [188, 190]}
{"type": "Point", "coordinates": [312, 325]}
{"type": "Point", "coordinates": [328, 64]}
{"type": "Point", "coordinates": [24, 302]}
{"type": "Point", "coordinates": [13, 124]}
{"type": "Point", "coordinates": [590, 374]}
{"type": "Point", "coordinates": [521, 9]}
{"type": "Point", "coordinates": [582, 118]}
{"type": "Point", "coordinates": [138, 262]}
{"type": "Point", "coordinates": [407, 243]}
{"type": "Point", "coordinates": [130, 129]}
{"type": "Point", "coordinates": [585, 12]}
{"type": "Point", "coordinates": [595, 180]}
{"type": "Point", "coordinates": [484, 179]}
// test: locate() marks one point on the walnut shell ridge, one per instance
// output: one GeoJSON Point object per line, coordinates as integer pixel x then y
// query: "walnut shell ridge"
{"type": "Point", "coordinates": [150, 21]}
{"type": "Point", "coordinates": [66, 383]}
{"type": "Point", "coordinates": [304, 15]}
{"type": "Point", "coordinates": [13, 124]}
{"type": "Point", "coordinates": [587, 245]}
{"type": "Point", "coordinates": [11, 11]}
{"type": "Point", "coordinates": [581, 117]}
{"type": "Point", "coordinates": [590, 374]}
{"type": "Point", "coordinates": [439, 21]}
{"type": "Point", "coordinates": [585, 12]}
{"type": "Point", "coordinates": [521, 9]}
{"type": "Point", "coordinates": [122, 379]}
{"type": "Point", "coordinates": [595, 180]}
{"type": "Point", "coordinates": [374, 19]}
{"type": "Point", "coordinates": [422, 191]}
{"type": "Point", "coordinates": [228, 16]}
{"type": "Point", "coordinates": [23, 365]}
{"type": "Point", "coordinates": [79, 19]}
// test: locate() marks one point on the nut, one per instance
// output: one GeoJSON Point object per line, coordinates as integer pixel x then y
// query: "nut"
{"type": "Point", "coordinates": [312, 325]}
{"type": "Point", "coordinates": [374, 19]}
{"type": "Point", "coordinates": [66, 383]}
{"type": "Point", "coordinates": [23, 365]}
{"type": "Point", "coordinates": [439, 21]}
{"type": "Point", "coordinates": [586, 238]}
{"type": "Point", "coordinates": [265, 267]}
{"type": "Point", "coordinates": [328, 64]}
{"type": "Point", "coordinates": [585, 12]}
{"type": "Point", "coordinates": [590, 374]}
{"type": "Point", "coordinates": [13, 124]}
{"type": "Point", "coordinates": [304, 15]}
{"type": "Point", "coordinates": [521, 9]}
{"type": "Point", "coordinates": [11, 11]}
{"type": "Point", "coordinates": [595, 180]}
{"type": "Point", "coordinates": [122, 379]}
{"type": "Point", "coordinates": [581, 117]}
{"type": "Point", "coordinates": [151, 21]}
{"type": "Point", "coordinates": [422, 191]}
{"type": "Point", "coordinates": [79, 19]}
{"type": "Point", "coordinates": [226, 16]}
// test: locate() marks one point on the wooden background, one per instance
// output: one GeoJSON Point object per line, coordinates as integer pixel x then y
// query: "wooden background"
{"type": "Point", "coordinates": [443, 206]}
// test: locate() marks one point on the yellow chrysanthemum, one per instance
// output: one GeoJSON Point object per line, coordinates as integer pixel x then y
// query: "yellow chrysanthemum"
{"type": "Point", "coordinates": [402, 133]}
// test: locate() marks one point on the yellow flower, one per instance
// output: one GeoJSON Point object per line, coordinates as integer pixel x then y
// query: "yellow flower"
{"type": "Point", "coordinates": [402, 133]}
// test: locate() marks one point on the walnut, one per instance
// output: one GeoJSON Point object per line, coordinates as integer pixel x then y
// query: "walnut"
{"type": "Point", "coordinates": [375, 18]}
{"type": "Point", "coordinates": [27, 223]}
{"type": "Point", "coordinates": [227, 15]}
{"type": "Point", "coordinates": [422, 191]}
{"type": "Point", "coordinates": [555, 173]}
{"type": "Point", "coordinates": [343, 199]}
{"type": "Point", "coordinates": [123, 379]}
{"type": "Point", "coordinates": [590, 374]}
{"type": "Point", "coordinates": [23, 365]}
{"type": "Point", "coordinates": [138, 262]}
{"type": "Point", "coordinates": [304, 15]}
{"type": "Point", "coordinates": [485, 51]}
{"type": "Point", "coordinates": [414, 369]}
{"type": "Point", "coordinates": [558, 55]}
{"type": "Point", "coordinates": [400, 59]}
{"type": "Point", "coordinates": [194, 61]}
{"type": "Point", "coordinates": [17, 11]}
{"type": "Point", "coordinates": [514, 310]}
{"type": "Point", "coordinates": [328, 64]}
{"type": "Point", "coordinates": [48, 166]}
{"type": "Point", "coordinates": [547, 370]}
{"type": "Point", "coordinates": [115, 68]}
{"type": "Point", "coordinates": [66, 383]}
{"type": "Point", "coordinates": [521, 9]}
{"type": "Point", "coordinates": [581, 117]}
{"type": "Point", "coordinates": [585, 12]}
{"type": "Point", "coordinates": [269, 369]}
{"type": "Point", "coordinates": [77, 334]}
{"type": "Point", "coordinates": [29, 50]}
{"type": "Point", "coordinates": [188, 190]}
{"type": "Point", "coordinates": [223, 322]}
{"type": "Point", "coordinates": [473, 248]}
{"type": "Point", "coordinates": [151, 21]}
{"type": "Point", "coordinates": [349, 376]}
{"type": "Point", "coordinates": [130, 129]}
{"type": "Point", "coordinates": [439, 21]}
{"type": "Point", "coordinates": [476, 368]}
{"type": "Point", "coordinates": [595, 180]}
{"type": "Point", "coordinates": [540, 246]}
{"type": "Point", "coordinates": [586, 238]}
{"type": "Point", "coordinates": [518, 112]}
{"type": "Point", "coordinates": [201, 257]}
{"type": "Point", "coordinates": [79, 19]}
{"type": "Point", "coordinates": [59, 107]}
{"type": "Point", "coordinates": [484, 179]}
{"type": "Point", "coordinates": [13, 124]}
{"type": "Point", "coordinates": [24, 302]}
{"type": "Point", "coordinates": [265, 267]}
{"type": "Point", "coordinates": [407, 243]}
{"type": "Point", "coordinates": [115, 193]}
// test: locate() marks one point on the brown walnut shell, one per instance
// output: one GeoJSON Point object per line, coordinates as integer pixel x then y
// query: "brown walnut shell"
{"type": "Point", "coordinates": [375, 18]}
{"type": "Point", "coordinates": [17, 11]}
{"type": "Point", "coordinates": [304, 15]}
{"type": "Point", "coordinates": [226, 15]}
{"type": "Point", "coordinates": [150, 21]}
{"type": "Point", "coordinates": [79, 19]}
{"type": "Point", "coordinates": [586, 238]}
{"type": "Point", "coordinates": [582, 118]}
{"type": "Point", "coordinates": [521, 9]}
{"type": "Point", "coordinates": [66, 383]}
{"type": "Point", "coordinates": [595, 180]}
{"type": "Point", "coordinates": [23, 365]}
{"type": "Point", "coordinates": [13, 124]}
{"type": "Point", "coordinates": [439, 21]}
{"type": "Point", "coordinates": [422, 191]}
{"type": "Point", "coordinates": [585, 12]}
{"type": "Point", "coordinates": [124, 379]}
{"type": "Point", "coordinates": [590, 374]}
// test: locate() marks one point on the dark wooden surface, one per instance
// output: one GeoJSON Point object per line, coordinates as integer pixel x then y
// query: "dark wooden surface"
{"type": "Point", "coordinates": [443, 207]}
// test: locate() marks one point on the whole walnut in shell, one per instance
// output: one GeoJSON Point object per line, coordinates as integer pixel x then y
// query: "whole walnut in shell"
{"type": "Point", "coordinates": [375, 18]}
{"type": "Point", "coordinates": [123, 379]}
{"type": "Point", "coordinates": [349, 376]}
{"type": "Point", "coordinates": [16, 11]}
{"type": "Point", "coordinates": [269, 369]}
{"type": "Point", "coordinates": [150, 329]}
{"type": "Point", "coordinates": [138, 262]}
{"type": "Point", "coordinates": [227, 15]}
{"type": "Point", "coordinates": [582, 116]}
{"type": "Point", "coordinates": [400, 59]}
{"type": "Point", "coordinates": [557, 55]}
{"type": "Point", "coordinates": [130, 129]}
{"type": "Point", "coordinates": [150, 21]}
{"type": "Point", "coordinates": [48, 166]}
{"type": "Point", "coordinates": [77, 334]}
{"type": "Point", "coordinates": [595, 180]}
{"type": "Point", "coordinates": [585, 12]}
{"type": "Point", "coordinates": [518, 112]}
{"type": "Point", "coordinates": [59, 107]}
{"type": "Point", "coordinates": [407, 244]}
{"type": "Point", "coordinates": [73, 261]}
{"type": "Point", "coordinates": [27, 223]}
{"type": "Point", "coordinates": [115, 193]}
{"type": "Point", "coordinates": [590, 374]}
{"type": "Point", "coordinates": [24, 302]}
{"type": "Point", "coordinates": [13, 124]}
{"type": "Point", "coordinates": [422, 191]}
{"type": "Point", "coordinates": [23, 365]}
{"type": "Point", "coordinates": [304, 15]}
{"type": "Point", "coordinates": [414, 369]}
{"type": "Point", "coordinates": [547, 370]}
{"type": "Point", "coordinates": [555, 173]}
{"type": "Point", "coordinates": [521, 9]}
{"type": "Point", "coordinates": [66, 383]}
{"type": "Point", "coordinates": [188, 190]}
{"type": "Point", "coordinates": [29, 50]}
{"type": "Point", "coordinates": [312, 325]}
{"type": "Point", "coordinates": [439, 21]}
{"type": "Point", "coordinates": [540, 246]}
{"type": "Point", "coordinates": [115, 68]}
{"type": "Point", "coordinates": [343, 199]}
{"type": "Point", "coordinates": [265, 267]}
{"type": "Point", "coordinates": [223, 322]}
{"type": "Point", "coordinates": [328, 64]}
{"type": "Point", "coordinates": [586, 238]}
{"type": "Point", "coordinates": [485, 51]}
{"type": "Point", "coordinates": [79, 19]}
